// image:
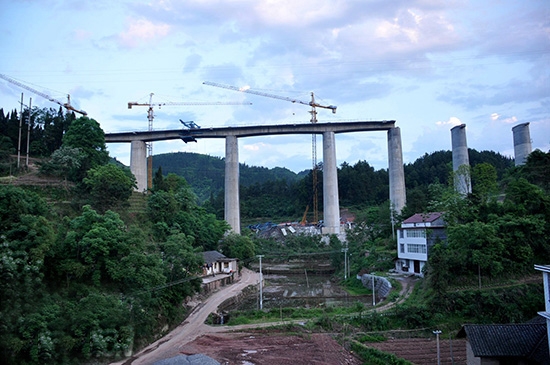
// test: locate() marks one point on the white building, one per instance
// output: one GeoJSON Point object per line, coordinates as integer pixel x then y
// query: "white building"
{"type": "Point", "coordinates": [415, 238]}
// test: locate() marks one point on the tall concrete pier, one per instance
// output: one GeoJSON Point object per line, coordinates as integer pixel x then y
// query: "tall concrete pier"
{"type": "Point", "coordinates": [331, 205]}
{"type": "Point", "coordinates": [138, 163]}
{"type": "Point", "coordinates": [522, 143]}
{"type": "Point", "coordinates": [232, 205]}
{"type": "Point", "coordinates": [461, 161]}
{"type": "Point", "coordinates": [396, 171]}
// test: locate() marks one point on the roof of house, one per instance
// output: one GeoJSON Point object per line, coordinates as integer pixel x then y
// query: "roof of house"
{"type": "Point", "coordinates": [524, 340]}
{"type": "Point", "coordinates": [424, 217]}
{"type": "Point", "coordinates": [212, 256]}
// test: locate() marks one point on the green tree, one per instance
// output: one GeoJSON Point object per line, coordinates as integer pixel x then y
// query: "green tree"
{"type": "Point", "coordinates": [484, 182]}
{"type": "Point", "coordinates": [64, 162]}
{"type": "Point", "coordinates": [237, 246]}
{"type": "Point", "coordinates": [536, 169]}
{"type": "Point", "coordinates": [109, 186]}
{"type": "Point", "coordinates": [86, 134]}
{"type": "Point", "coordinates": [26, 237]}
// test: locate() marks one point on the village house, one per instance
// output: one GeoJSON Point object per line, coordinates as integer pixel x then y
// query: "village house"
{"type": "Point", "coordinates": [416, 236]}
{"type": "Point", "coordinates": [217, 271]}
{"type": "Point", "coordinates": [217, 263]}
{"type": "Point", "coordinates": [511, 344]}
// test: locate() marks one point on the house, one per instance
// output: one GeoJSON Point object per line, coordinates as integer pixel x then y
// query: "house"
{"type": "Point", "coordinates": [416, 236]}
{"type": "Point", "coordinates": [217, 263]}
{"type": "Point", "coordinates": [511, 344]}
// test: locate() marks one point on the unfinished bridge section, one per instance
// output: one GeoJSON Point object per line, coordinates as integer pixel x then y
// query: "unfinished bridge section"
{"type": "Point", "coordinates": [331, 207]}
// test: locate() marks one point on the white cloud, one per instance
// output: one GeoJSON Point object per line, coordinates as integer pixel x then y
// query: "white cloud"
{"type": "Point", "coordinates": [142, 30]}
{"type": "Point", "coordinates": [453, 121]}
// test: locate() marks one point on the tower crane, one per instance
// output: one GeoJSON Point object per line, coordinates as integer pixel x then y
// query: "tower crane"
{"type": "Point", "coordinates": [66, 105]}
{"type": "Point", "coordinates": [313, 113]}
{"type": "Point", "coordinates": [151, 117]}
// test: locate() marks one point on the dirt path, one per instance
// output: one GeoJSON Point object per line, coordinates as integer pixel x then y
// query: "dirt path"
{"type": "Point", "coordinates": [193, 327]}
{"type": "Point", "coordinates": [407, 286]}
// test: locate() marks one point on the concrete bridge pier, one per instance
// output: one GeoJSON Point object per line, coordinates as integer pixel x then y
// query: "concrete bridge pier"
{"type": "Point", "coordinates": [138, 164]}
{"type": "Point", "coordinates": [522, 143]}
{"type": "Point", "coordinates": [331, 205]}
{"type": "Point", "coordinates": [232, 213]}
{"type": "Point", "coordinates": [396, 172]}
{"type": "Point", "coordinates": [461, 161]}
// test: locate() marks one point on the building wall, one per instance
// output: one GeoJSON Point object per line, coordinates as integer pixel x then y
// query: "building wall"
{"type": "Point", "coordinates": [471, 359]}
{"type": "Point", "coordinates": [411, 247]}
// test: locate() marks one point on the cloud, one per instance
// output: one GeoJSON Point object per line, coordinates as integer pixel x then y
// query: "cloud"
{"type": "Point", "coordinates": [453, 121]}
{"type": "Point", "coordinates": [141, 31]}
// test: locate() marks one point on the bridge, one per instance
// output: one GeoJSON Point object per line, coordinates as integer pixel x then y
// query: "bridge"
{"type": "Point", "coordinates": [331, 206]}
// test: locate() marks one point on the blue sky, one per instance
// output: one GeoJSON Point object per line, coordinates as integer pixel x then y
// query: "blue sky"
{"type": "Point", "coordinates": [428, 64]}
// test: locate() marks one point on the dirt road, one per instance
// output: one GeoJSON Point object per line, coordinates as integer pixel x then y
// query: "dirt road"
{"type": "Point", "coordinates": [193, 327]}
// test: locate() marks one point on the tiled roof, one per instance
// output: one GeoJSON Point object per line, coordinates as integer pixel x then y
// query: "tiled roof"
{"type": "Point", "coordinates": [212, 256]}
{"type": "Point", "coordinates": [525, 340]}
{"type": "Point", "coordinates": [423, 217]}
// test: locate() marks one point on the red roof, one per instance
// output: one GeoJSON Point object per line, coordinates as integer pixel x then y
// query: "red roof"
{"type": "Point", "coordinates": [424, 217]}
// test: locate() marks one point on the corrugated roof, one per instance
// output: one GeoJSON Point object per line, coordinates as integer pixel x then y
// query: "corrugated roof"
{"type": "Point", "coordinates": [423, 217]}
{"type": "Point", "coordinates": [506, 340]}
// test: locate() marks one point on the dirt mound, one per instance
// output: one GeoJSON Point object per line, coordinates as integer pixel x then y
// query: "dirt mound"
{"type": "Point", "coordinates": [263, 347]}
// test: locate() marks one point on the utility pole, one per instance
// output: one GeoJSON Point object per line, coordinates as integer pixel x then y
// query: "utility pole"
{"type": "Point", "coordinates": [345, 251]}
{"type": "Point", "coordinates": [437, 333]}
{"type": "Point", "coordinates": [29, 131]}
{"type": "Point", "coordinates": [20, 127]}
{"type": "Point", "coordinates": [373, 291]}
{"type": "Point", "coordinates": [261, 279]}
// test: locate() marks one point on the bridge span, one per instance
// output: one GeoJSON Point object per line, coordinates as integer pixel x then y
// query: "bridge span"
{"type": "Point", "coordinates": [331, 206]}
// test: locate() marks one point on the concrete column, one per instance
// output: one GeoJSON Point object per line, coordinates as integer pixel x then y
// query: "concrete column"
{"type": "Point", "coordinates": [331, 205]}
{"type": "Point", "coordinates": [461, 161]}
{"type": "Point", "coordinates": [138, 164]}
{"type": "Point", "coordinates": [232, 206]}
{"type": "Point", "coordinates": [522, 143]}
{"type": "Point", "coordinates": [396, 171]}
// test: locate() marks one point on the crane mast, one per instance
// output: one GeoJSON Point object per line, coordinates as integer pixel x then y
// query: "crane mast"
{"type": "Point", "coordinates": [151, 117]}
{"type": "Point", "coordinates": [313, 113]}
{"type": "Point", "coordinates": [66, 105]}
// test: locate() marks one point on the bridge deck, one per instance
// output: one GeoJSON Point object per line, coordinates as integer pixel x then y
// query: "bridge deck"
{"type": "Point", "coordinates": [250, 131]}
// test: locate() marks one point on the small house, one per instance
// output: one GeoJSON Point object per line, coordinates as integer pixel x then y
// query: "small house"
{"type": "Point", "coordinates": [416, 236]}
{"type": "Point", "coordinates": [217, 263]}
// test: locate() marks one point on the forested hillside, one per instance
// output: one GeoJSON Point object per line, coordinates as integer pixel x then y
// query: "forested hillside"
{"type": "Point", "coordinates": [206, 173]}
{"type": "Point", "coordinates": [85, 277]}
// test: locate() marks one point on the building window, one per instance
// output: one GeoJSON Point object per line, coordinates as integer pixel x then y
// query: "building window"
{"type": "Point", "coordinates": [414, 248]}
{"type": "Point", "coordinates": [416, 233]}
{"type": "Point", "coordinates": [400, 233]}
{"type": "Point", "coordinates": [402, 248]}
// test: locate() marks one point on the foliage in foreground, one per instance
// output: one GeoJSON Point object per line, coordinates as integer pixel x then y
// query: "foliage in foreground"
{"type": "Point", "coordinates": [372, 356]}
{"type": "Point", "coordinates": [92, 286]}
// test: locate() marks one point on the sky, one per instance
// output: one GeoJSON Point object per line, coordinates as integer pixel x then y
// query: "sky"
{"type": "Point", "coordinates": [427, 64]}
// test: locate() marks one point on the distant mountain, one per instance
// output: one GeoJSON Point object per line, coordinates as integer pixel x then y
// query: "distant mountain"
{"type": "Point", "coordinates": [206, 173]}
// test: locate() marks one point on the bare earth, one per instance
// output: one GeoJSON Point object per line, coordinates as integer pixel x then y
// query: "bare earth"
{"type": "Point", "coordinates": [242, 347]}
{"type": "Point", "coordinates": [254, 345]}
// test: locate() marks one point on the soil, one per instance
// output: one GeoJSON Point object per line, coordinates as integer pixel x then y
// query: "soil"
{"type": "Point", "coordinates": [265, 347]}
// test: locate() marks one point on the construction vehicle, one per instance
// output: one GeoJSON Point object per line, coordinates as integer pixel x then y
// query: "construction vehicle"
{"type": "Point", "coordinates": [313, 113]}
{"type": "Point", "coordinates": [151, 117]}
{"type": "Point", "coordinates": [66, 105]}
